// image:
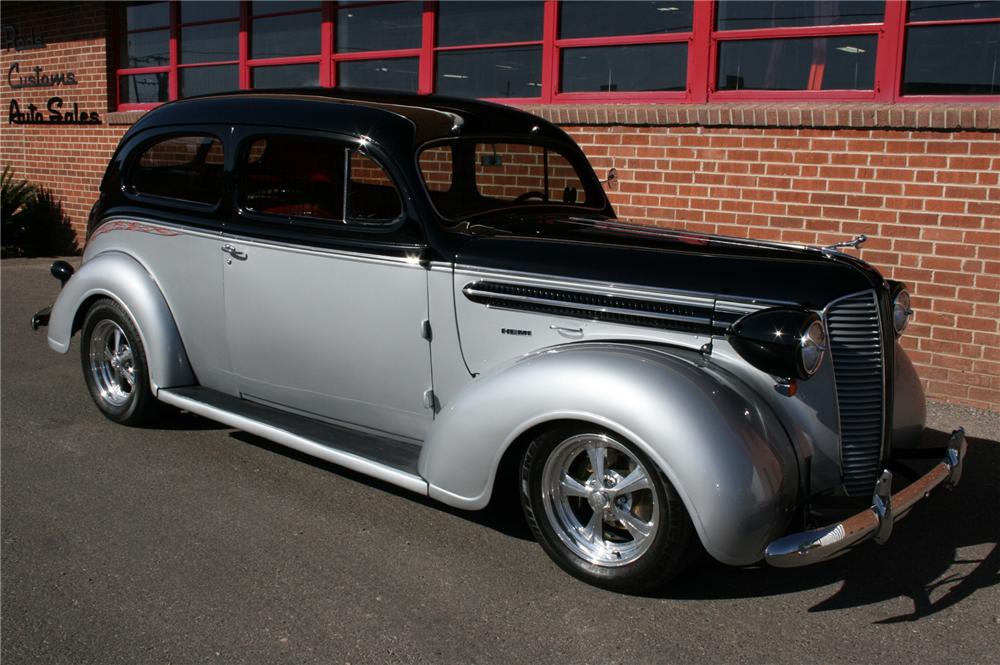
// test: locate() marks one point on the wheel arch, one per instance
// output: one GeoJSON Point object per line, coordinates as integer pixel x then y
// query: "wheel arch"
{"type": "Point", "coordinates": [119, 277]}
{"type": "Point", "coordinates": [724, 451]}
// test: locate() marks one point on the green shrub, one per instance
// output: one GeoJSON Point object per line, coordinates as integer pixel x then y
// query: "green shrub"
{"type": "Point", "coordinates": [33, 221]}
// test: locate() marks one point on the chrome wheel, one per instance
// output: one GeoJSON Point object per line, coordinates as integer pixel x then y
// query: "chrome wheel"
{"type": "Point", "coordinates": [599, 500]}
{"type": "Point", "coordinates": [112, 363]}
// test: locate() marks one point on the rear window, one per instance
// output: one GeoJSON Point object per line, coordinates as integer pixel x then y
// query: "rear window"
{"type": "Point", "coordinates": [185, 168]}
{"type": "Point", "coordinates": [316, 179]}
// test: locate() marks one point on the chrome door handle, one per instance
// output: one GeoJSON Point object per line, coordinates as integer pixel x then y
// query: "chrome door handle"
{"type": "Point", "coordinates": [233, 252]}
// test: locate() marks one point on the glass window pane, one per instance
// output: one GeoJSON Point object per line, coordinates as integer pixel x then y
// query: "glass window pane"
{"type": "Point", "coordinates": [488, 22]}
{"type": "Point", "coordinates": [379, 27]}
{"type": "Point", "coordinates": [210, 43]}
{"type": "Point", "coordinates": [147, 15]}
{"type": "Point", "coordinates": [258, 8]}
{"type": "Point", "coordinates": [952, 60]}
{"type": "Point", "coordinates": [206, 80]}
{"type": "Point", "coordinates": [143, 88]}
{"type": "Point", "coordinates": [145, 49]}
{"type": "Point", "coordinates": [197, 10]}
{"type": "Point", "coordinates": [820, 63]}
{"type": "Point", "coordinates": [188, 168]}
{"type": "Point", "coordinates": [746, 14]}
{"type": "Point", "coordinates": [436, 168]}
{"type": "Point", "coordinates": [280, 36]}
{"type": "Point", "coordinates": [606, 19]}
{"type": "Point", "coordinates": [508, 72]}
{"type": "Point", "coordinates": [517, 172]}
{"type": "Point", "coordinates": [286, 76]}
{"type": "Point", "coordinates": [295, 176]}
{"type": "Point", "coordinates": [946, 10]}
{"type": "Point", "coordinates": [371, 196]}
{"type": "Point", "coordinates": [645, 67]}
{"type": "Point", "coordinates": [389, 74]}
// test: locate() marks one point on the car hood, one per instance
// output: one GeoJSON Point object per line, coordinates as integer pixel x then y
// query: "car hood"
{"type": "Point", "coordinates": [629, 254]}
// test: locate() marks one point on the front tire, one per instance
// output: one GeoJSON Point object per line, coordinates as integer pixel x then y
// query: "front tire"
{"type": "Point", "coordinates": [602, 510]}
{"type": "Point", "coordinates": [114, 365]}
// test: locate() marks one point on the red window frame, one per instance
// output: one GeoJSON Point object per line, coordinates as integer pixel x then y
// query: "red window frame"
{"type": "Point", "coordinates": [703, 46]}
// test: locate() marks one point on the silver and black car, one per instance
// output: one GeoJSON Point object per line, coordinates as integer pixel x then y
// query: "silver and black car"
{"type": "Point", "coordinates": [436, 292]}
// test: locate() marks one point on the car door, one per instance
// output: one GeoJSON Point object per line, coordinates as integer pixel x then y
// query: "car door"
{"type": "Point", "coordinates": [325, 296]}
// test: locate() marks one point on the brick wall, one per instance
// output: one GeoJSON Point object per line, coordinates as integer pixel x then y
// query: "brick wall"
{"type": "Point", "coordinates": [920, 180]}
{"type": "Point", "coordinates": [67, 158]}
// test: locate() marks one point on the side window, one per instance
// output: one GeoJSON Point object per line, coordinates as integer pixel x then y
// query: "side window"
{"type": "Point", "coordinates": [303, 176]}
{"type": "Point", "coordinates": [186, 168]}
{"type": "Point", "coordinates": [436, 168]}
{"type": "Point", "coordinates": [371, 196]}
{"type": "Point", "coordinates": [294, 176]}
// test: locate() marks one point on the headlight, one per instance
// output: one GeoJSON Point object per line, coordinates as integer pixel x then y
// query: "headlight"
{"type": "Point", "coordinates": [901, 311]}
{"type": "Point", "coordinates": [812, 347]}
{"type": "Point", "coordinates": [786, 342]}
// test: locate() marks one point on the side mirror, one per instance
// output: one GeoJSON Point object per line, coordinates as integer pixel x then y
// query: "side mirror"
{"type": "Point", "coordinates": [612, 180]}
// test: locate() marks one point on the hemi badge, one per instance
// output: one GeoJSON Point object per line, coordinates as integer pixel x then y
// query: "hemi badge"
{"type": "Point", "coordinates": [515, 331]}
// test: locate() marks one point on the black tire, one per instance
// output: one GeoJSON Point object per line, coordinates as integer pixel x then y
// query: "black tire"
{"type": "Point", "coordinates": [658, 558]}
{"type": "Point", "coordinates": [133, 403]}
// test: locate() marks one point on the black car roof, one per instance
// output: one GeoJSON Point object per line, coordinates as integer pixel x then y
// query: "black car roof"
{"type": "Point", "coordinates": [402, 120]}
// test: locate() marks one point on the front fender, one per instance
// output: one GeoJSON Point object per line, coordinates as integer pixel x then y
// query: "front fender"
{"type": "Point", "coordinates": [717, 442]}
{"type": "Point", "coordinates": [120, 277]}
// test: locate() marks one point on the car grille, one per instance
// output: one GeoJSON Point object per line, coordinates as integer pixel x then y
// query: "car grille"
{"type": "Point", "coordinates": [856, 347]}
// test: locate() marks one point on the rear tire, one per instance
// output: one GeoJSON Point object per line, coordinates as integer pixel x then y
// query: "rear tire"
{"type": "Point", "coordinates": [603, 511]}
{"type": "Point", "coordinates": [114, 365]}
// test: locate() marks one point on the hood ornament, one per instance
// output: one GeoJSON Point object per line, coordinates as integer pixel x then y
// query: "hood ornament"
{"type": "Point", "coordinates": [853, 243]}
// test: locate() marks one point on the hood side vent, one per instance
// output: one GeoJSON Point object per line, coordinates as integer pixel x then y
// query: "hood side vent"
{"type": "Point", "coordinates": [612, 308]}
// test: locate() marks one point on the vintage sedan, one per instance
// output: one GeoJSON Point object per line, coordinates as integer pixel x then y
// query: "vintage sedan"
{"type": "Point", "coordinates": [436, 292]}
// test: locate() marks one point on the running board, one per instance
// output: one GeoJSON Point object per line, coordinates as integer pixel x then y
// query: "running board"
{"type": "Point", "coordinates": [392, 461]}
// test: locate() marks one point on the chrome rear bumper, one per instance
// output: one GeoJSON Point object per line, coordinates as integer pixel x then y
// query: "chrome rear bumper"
{"type": "Point", "coordinates": [808, 547]}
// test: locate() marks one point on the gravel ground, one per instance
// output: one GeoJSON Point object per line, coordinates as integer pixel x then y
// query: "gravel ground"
{"type": "Point", "coordinates": [194, 543]}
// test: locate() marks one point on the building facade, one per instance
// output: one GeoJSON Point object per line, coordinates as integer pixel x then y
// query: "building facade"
{"type": "Point", "coordinates": [804, 121]}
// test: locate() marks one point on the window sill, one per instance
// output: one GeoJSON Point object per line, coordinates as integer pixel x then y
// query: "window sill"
{"type": "Point", "coordinates": [943, 116]}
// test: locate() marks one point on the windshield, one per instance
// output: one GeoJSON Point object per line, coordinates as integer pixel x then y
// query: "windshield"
{"type": "Point", "coordinates": [471, 177]}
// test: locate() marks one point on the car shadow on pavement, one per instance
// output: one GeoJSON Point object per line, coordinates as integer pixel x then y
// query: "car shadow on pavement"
{"type": "Point", "coordinates": [921, 561]}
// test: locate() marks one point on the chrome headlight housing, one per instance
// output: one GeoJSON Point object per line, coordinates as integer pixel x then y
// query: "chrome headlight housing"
{"type": "Point", "coordinates": [812, 347]}
{"type": "Point", "coordinates": [901, 311]}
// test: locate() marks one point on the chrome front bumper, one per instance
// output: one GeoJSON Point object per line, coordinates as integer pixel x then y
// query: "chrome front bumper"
{"type": "Point", "coordinates": [808, 547]}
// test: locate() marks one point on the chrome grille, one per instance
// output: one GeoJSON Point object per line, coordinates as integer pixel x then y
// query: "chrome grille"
{"type": "Point", "coordinates": [856, 347]}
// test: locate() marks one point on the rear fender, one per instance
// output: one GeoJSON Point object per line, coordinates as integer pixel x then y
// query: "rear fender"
{"type": "Point", "coordinates": [717, 442]}
{"type": "Point", "coordinates": [118, 276]}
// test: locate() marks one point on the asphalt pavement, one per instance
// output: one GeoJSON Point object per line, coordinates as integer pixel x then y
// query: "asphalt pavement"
{"type": "Point", "coordinates": [194, 543]}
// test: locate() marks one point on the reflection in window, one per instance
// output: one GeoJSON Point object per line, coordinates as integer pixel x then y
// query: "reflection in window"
{"type": "Point", "coordinates": [210, 43]}
{"type": "Point", "coordinates": [143, 88]}
{"type": "Point", "coordinates": [509, 72]}
{"type": "Point", "coordinates": [145, 49]}
{"type": "Point", "coordinates": [820, 63]}
{"type": "Point", "coordinates": [582, 18]}
{"type": "Point", "coordinates": [436, 168]}
{"type": "Point", "coordinates": [952, 10]}
{"type": "Point", "coordinates": [286, 76]}
{"type": "Point", "coordinates": [488, 22]}
{"type": "Point", "coordinates": [281, 6]}
{"type": "Point", "coordinates": [188, 168]}
{"type": "Point", "coordinates": [283, 36]}
{"type": "Point", "coordinates": [371, 196]}
{"type": "Point", "coordinates": [146, 15]}
{"type": "Point", "coordinates": [952, 60]}
{"type": "Point", "coordinates": [206, 80]}
{"type": "Point", "coordinates": [386, 74]}
{"type": "Point", "coordinates": [747, 14]}
{"type": "Point", "coordinates": [643, 67]}
{"type": "Point", "coordinates": [378, 27]}
{"type": "Point", "coordinates": [208, 10]}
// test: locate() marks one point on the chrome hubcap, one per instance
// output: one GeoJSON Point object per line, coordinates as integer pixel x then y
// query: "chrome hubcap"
{"type": "Point", "coordinates": [599, 500]}
{"type": "Point", "coordinates": [112, 365]}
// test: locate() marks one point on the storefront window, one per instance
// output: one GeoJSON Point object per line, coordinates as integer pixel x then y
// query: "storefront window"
{"type": "Point", "coordinates": [834, 63]}
{"type": "Point", "coordinates": [952, 48]}
{"type": "Point", "coordinates": [566, 50]}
